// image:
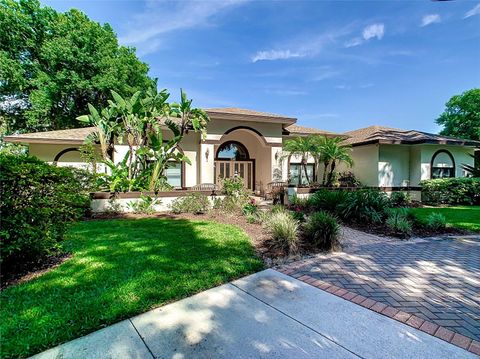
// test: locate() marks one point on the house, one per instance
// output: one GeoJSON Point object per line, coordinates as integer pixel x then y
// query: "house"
{"type": "Point", "coordinates": [249, 143]}
{"type": "Point", "coordinates": [391, 157]}
{"type": "Point", "coordinates": [238, 141]}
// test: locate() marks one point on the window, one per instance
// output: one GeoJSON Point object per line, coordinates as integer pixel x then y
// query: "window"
{"type": "Point", "coordinates": [232, 150]}
{"type": "Point", "coordinates": [174, 174]}
{"type": "Point", "coordinates": [442, 165]}
{"type": "Point", "coordinates": [297, 173]}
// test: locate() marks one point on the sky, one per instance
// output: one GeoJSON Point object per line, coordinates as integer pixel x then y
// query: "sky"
{"type": "Point", "coordinates": [334, 65]}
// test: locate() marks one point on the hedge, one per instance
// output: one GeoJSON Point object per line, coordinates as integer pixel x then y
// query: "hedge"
{"type": "Point", "coordinates": [38, 201]}
{"type": "Point", "coordinates": [462, 190]}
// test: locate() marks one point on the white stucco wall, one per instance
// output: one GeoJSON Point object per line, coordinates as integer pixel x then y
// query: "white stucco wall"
{"type": "Point", "coordinates": [48, 152]}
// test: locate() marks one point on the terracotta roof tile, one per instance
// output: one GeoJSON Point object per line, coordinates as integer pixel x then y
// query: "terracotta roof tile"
{"type": "Point", "coordinates": [301, 130]}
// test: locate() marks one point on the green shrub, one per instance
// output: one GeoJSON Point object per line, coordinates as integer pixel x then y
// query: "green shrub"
{"type": "Point", "coordinates": [146, 204]}
{"type": "Point", "coordinates": [284, 230]}
{"type": "Point", "coordinates": [38, 201]}
{"type": "Point", "coordinates": [400, 199]}
{"type": "Point", "coordinates": [250, 208]}
{"type": "Point", "coordinates": [436, 221]}
{"type": "Point", "coordinates": [462, 190]}
{"type": "Point", "coordinates": [195, 203]}
{"type": "Point", "coordinates": [364, 206]}
{"type": "Point", "coordinates": [322, 230]}
{"type": "Point", "coordinates": [398, 222]}
{"type": "Point", "coordinates": [327, 200]}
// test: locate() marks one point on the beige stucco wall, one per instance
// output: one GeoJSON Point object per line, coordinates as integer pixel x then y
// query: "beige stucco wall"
{"type": "Point", "coordinates": [393, 165]}
{"type": "Point", "coordinates": [365, 164]}
{"type": "Point", "coordinates": [47, 153]}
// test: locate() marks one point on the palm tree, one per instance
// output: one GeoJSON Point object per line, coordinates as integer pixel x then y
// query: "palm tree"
{"type": "Point", "coordinates": [302, 147]}
{"type": "Point", "coordinates": [333, 152]}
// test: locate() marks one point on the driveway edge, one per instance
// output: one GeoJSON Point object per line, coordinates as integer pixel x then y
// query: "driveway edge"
{"type": "Point", "coordinates": [411, 320]}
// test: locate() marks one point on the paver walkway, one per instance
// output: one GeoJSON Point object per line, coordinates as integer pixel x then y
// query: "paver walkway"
{"type": "Point", "coordinates": [437, 280]}
{"type": "Point", "coordinates": [265, 315]}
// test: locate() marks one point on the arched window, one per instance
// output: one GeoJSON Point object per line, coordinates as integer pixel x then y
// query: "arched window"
{"type": "Point", "coordinates": [442, 165]}
{"type": "Point", "coordinates": [232, 150]}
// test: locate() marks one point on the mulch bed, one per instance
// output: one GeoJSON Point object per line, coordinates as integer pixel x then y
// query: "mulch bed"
{"type": "Point", "coordinates": [31, 270]}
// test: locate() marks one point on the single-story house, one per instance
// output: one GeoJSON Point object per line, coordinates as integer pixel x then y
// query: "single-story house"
{"type": "Point", "coordinates": [249, 143]}
{"type": "Point", "coordinates": [390, 157]}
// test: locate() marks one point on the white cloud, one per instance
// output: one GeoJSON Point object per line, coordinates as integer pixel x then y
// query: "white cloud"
{"type": "Point", "coordinates": [430, 19]}
{"type": "Point", "coordinates": [354, 42]}
{"type": "Point", "coordinates": [146, 29]}
{"type": "Point", "coordinates": [369, 32]}
{"type": "Point", "coordinates": [473, 11]}
{"type": "Point", "coordinates": [374, 30]}
{"type": "Point", "coordinates": [270, 55]}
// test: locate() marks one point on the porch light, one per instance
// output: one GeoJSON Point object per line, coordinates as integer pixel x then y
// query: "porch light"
{"type": "Point", "coordinates": [207, 153]}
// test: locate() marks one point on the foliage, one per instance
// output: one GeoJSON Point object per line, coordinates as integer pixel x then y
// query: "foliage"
{"type": "Point", "coordinates": [322, 230]}
{"type": "Point", "coordinates": [473, 171]}
{"type": "Point", "coordinates": [146, 204]}
{"type": "Point", "coordinates": [113, 206]}
{"type": "Point", "coordinates": [234, 187]}
{"type": "Point", "coordinates": [327, 200]}
{"type": "Point", "coordinates": [461, 117]}
{"type": "Point", "coordinates": [364, 206]}
{"type": "Point", "coordinates": [302, 147]}
{"type": "Point", "coordinates": [195, 203]}
{"type": "Point", "coordinates": [436, 221]}
{"type": "Point", "coordinates": [139, 122]}
{"type": "Point", "coordinates": [118, 269]}
{"type": "Point", "coordinates": [330, 151]}
{"type": "Point", "coordinates": [461, 217]}
{"type": "Point", "coordinates": [400, 199]}
{"type": "Point", "coordinates": [250, 208]}
{"type": "Point", "coordinates": [38, 202]}
{"type": "Point", "coordinates": [348, 179]}
{"type": "Point", "coordinates": [399, 223]}
{"type": "Point", "coordinates": [284, 231]}
{"type": "Point", "coordinates": [53, 64]}
{"type": "Point", "coordinates": [461, 190]}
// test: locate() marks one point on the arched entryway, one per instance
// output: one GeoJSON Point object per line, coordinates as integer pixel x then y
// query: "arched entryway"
{"type": "Point", "coordinates": [233, 159]}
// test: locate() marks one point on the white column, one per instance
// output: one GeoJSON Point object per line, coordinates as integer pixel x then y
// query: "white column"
{"type": "Point", "coordinates": [206, 163]}
{"type": "Point", "coordinates": [277, 162]}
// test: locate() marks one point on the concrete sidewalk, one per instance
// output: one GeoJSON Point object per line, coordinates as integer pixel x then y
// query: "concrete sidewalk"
{"type": "Point", "coordinates": [265, 315]}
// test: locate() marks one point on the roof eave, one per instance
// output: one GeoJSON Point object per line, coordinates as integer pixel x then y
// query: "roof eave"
{"type": "Point", "coordinates": [58, 141]}
{"type": "Point", "coordinates": [251, 118]}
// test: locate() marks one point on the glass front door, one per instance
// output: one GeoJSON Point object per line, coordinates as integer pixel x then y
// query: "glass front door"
{"type": "Point", "coordinates": [229, 169]}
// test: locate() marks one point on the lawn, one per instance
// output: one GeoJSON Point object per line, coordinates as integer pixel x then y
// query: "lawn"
{"type": "Point", "coordinates": [463, 217]}
{"type": "Point", "coordinates": [120, 268]}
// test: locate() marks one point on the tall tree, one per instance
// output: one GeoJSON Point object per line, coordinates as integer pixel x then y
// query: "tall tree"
{"type": "Point", "coordinates": [461, 117]}
{"type": "Point", "coordinates": [302, 147]}
{"type": "Point", "coordinates": [53, 64]}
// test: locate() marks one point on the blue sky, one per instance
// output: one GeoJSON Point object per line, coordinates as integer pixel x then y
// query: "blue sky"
{"type": "Point", "coordinates": [335, 65]}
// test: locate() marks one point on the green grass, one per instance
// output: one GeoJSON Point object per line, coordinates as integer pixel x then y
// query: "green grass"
{"type": "Point", "coordinates": [462, 217]}
{"type": "Point", "coordinates": [120, 268]}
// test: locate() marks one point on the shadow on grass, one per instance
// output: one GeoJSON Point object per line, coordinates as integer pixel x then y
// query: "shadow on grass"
{"type": "Point", "coordinates": [120, 268]}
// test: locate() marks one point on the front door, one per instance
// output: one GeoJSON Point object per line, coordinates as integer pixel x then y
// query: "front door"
{"type": "Point", "coordinates": [230, 168]}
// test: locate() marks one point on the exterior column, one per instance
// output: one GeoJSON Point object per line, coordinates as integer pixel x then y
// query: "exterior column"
{"type": "Point", "coordinates": [206, 161]}
{"type": "Point", "coordinates": [277, 164]}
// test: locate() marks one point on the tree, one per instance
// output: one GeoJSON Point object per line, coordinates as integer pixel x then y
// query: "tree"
{"type": "Point", "coordinates": [140, 122]}
{"type": "Point", "coordinates": [474, 170]}
{"type": "Point", "coordinates": [461, 117]}
{"type": "Point", "coordinates": [52, 65]}
{"type": "Point", "coordinates": [302, 147]}
{"type": "Point", "coordinates": [330, 152]}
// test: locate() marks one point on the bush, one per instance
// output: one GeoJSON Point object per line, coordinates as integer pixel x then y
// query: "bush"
{"type": "Point", "coordinates": [400, 199]}
{"type": "Point", "coordinates": [38, 201]}
{"type": "Point", "coordinates": [250, 208]}
{"type": "Point", "coordinates": [145, 204]}
{"type": "Point", "coordinates": [195, 203]}
{"type": "Point", "coordinates": [284, 230]}
{"type": "Point", "coordinates": [462, 190]}
{"type": "Point", "coordinates": [348, 179]}
{"type": "Point", "coordinates": [322, 229]}
{"type": "Point", "coordinates": [436, 221]}
{"type": "Point", "coordinates": [327, 200]}
{"type": "Point", "coordinates": [398, 222]}
{"type": "Point", "coordinates": [364, 206]}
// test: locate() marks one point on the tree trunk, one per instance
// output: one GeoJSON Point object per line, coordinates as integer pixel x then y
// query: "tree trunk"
{"type": "Point", "coordinates": [325, 168]}
{"type": "Point", "coordinates": [330, 175]}
{"type": "Point", "coordinates": [304, 165]}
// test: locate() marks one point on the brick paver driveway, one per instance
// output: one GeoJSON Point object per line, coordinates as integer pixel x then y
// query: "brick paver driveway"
{"type": "Point", "coordinates": [437, 280]}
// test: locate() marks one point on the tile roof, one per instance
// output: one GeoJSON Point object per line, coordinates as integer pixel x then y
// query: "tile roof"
{"type": "Point", "coordinates": [388, 135]}
{"type": "Point", "coordinates": [301, 130]}
{"type": "Point", "coordinates": [238, 113]}
{"type": "Point", "coordinates": [73, 135]}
